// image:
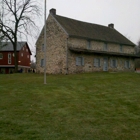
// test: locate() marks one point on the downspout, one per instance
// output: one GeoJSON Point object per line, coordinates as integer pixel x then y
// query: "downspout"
{"type": "Point", "coordinates": [67, 57]}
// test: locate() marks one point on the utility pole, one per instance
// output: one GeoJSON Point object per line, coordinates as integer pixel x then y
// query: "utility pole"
{"type": "Point", "coordinates": [45, 46]}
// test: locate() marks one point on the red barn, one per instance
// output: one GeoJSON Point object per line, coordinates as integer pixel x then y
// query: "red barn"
{"type": "Point", "coordinates": [7, 64]}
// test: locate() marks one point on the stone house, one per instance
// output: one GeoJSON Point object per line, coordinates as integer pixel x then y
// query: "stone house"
{"type": "Point", "coordinates": [74, 46]}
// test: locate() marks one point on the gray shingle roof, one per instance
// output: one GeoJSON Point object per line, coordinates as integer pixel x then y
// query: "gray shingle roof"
{"type": "Point", "coordinates": [9, 46]}
{"type": "Point", "coordinates": [91, 31]}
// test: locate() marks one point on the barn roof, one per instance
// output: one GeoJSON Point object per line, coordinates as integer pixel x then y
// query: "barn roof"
{"type": "Point", "coordinates": [8, 46]}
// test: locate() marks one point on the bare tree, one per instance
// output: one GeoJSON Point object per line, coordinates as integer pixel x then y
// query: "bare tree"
{"type": "Point", "coordinates": [17, 20]}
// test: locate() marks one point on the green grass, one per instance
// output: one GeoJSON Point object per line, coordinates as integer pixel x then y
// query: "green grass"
{"type": "Point", "coordinates": [94, 106]}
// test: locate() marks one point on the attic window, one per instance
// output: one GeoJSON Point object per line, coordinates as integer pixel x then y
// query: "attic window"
{"type": "Point", "coordinates": [26, 50]}
{"type": "Point", "coordinates": [43, 47]}
{"type": "Point", "coordinates": [105, 47]}
{"type": "Point", "coordinates": [121, 48]}
{"type": "Point", "coordinates": [88, 44]}
{"type": "Point", "coordinates": [1, 56]}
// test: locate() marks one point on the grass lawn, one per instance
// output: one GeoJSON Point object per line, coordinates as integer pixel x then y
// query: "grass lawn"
{"type": "Point", "coordinates": [93, 106]}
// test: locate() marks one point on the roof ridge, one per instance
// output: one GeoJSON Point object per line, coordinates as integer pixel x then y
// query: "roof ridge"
{"type": "Point", "coordinates": [81, 21]}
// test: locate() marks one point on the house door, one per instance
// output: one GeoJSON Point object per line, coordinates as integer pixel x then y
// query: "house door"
{"type": "Point", "coordinates": [105, 64]}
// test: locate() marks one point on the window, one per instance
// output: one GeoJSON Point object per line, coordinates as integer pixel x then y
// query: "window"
{"type": "Point", "coordinates": [1, 56]}
{"type": "Point", "coordinates": [114, 63]}
{"type": "Point", "coordinates": [27, 56]}
{"type": "Point", "coordinates": [97, 62]}
{"type": "Point", "coordinates": [43, 47]}
{"type": "Point", "coordinates": [42, 63]}
{"type": "Point", "coordinates": [22, 54]}
{"type": "Point", "coordinates": [26, 50]}
{"type": "Point", "coordinates": [79, 61]}
{"type": "Point", "coordinates": [9, 61]}
{"type": "Point", "coordinates": [88, 44]}
{"type": "Point", "coordinates": [9, 55]}
{"type": "Point", "coordinates": [105, 47]}
{"type": "Point", "coordinates": [13, 54]}
{"type": "Point", "coordinates": [121, 48]}
{"type": "Point", "coordinates": [127, 64]}
{"type": "Point", "coordinates": [9, 58]}
{"type": "Point", "coordinates": [23, 48]}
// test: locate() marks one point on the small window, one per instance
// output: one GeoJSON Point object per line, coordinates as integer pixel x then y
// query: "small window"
{"type": "Point", "coordinates": [43, 47]}
{"type": "Point", "coordinates": [114, 63]}
{"type": "Point", "coordinates": [13, 54]}
{"type": "Point", "coordinates": [9, 61]}
{"type": "Point", "coordinates": [1, 56]}
{"type": "Point", "coordinates": [105, 47]}
{"type": "Point", "coordinates": [127, 64]}
{"type": "Point", "coordinates": [79, 61]}
{"type": "Point", "coordinates": [23, 48]}
{"type": "Point", "coordinates": [88, 44]}
{"type": "Point", "coordinates": [22, 54]}
{"type": "Point", "coordinates": [97, 62]}
{"type": "Point", "coordinates": [27, 56]}
{"type": "Point", "coordinates": [9, 55]}
{"type": "Point", "coordinates": [121, 48]}
{"type": "Point", "coordinates": [42, 63]}
{"type": "Point", "coordinates": [26, 50]}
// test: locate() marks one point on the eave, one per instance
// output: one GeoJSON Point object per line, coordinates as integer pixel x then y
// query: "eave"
{"type": "Point", "coordinates": [87, 51]}
{"type": "Point", "coordinates": [101, 40]}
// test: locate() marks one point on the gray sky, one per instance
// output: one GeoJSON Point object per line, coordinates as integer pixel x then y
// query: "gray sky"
{"type": "Point", "coordinates": [125, 14]}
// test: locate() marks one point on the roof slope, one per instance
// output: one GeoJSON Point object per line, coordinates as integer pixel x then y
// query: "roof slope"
{"type": "Point", "coordinates": [9, 46]}
{"type": "Point", "coordinates": [92, 31]}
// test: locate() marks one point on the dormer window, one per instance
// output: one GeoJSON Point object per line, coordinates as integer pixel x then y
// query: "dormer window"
{"type": "Point", "coordinates": [88, 44]}
{"type": "Point", "coordinates": [121, 48]}
{"type": "Point", "coordinates": [105, 47]}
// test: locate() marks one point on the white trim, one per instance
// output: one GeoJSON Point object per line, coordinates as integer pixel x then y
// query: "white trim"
{"type": "Point", "coordinates": [14, 66]}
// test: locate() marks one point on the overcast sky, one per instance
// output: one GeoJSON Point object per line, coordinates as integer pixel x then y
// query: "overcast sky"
{"type": "Point", "coordinates": [124, 14]}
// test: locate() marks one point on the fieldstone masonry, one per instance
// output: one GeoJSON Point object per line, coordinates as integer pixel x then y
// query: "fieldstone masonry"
{"type": "Point", "coordinates": [61, 60]}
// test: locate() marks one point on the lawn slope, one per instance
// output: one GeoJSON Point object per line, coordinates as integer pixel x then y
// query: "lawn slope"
{"type": "Point", "coordinates": [94, 106]}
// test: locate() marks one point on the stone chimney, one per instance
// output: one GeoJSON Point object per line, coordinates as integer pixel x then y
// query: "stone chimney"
{"type": "Point", "coordinates": [53, 11]}
{"type": "Point", "coordinates": [111, 25]}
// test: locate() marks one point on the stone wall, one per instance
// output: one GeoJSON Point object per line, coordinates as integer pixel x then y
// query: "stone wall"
{"type": "Point", "coordinates": [97, 45]}
{"type": "Point", "coordinates": [56, 54]}
{"type": "Point", "coordinates": [89, 63]}
{"type": "Point", "coordinates": [56, 48]}
{"type": "Point", "coordinates": [89, 58]}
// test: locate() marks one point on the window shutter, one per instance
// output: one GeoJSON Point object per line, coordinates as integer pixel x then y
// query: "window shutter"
{"type": "Point", "coordinates": [99, 63]}
{"type": "Point", "coordinates": [76, 61]}
{"type": "Point", "coordinates": [111, 63]}
{"type": "Point", "coordinates": [43, 62]}
{"type": "Point", "coordinates": [116, 64]}
{"type": "Point", "coordinates": [94, 62]}
{"type": "Point", "coordinates": [82, 61]}
{"type": "Point", "coordinates": [129, 64]}
{"type": "Point", "coordinates": [125, 64]}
